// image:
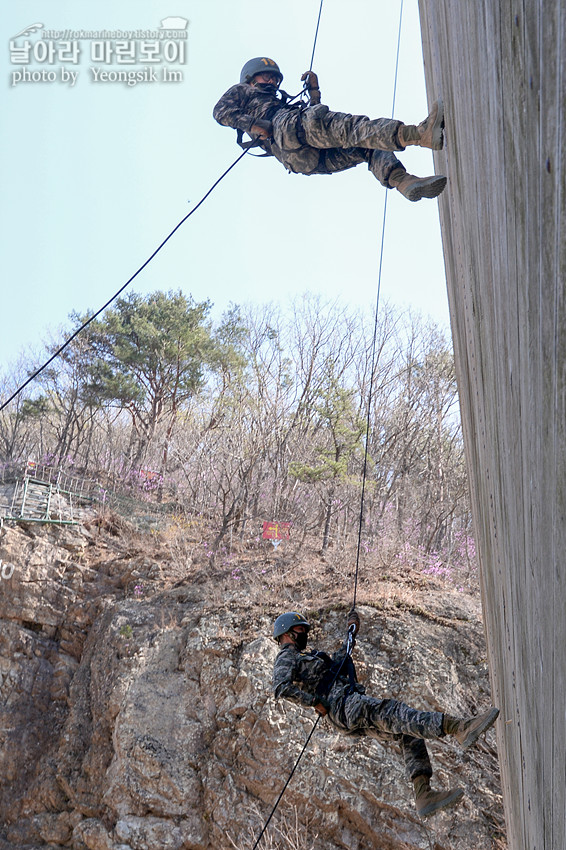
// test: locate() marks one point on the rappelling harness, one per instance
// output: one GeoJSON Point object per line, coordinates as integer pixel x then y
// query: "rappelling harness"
{"type": "Point", "coordinates": [333, 670]}
{"type": "Point", "coordinates": [340, 667]}
{"type": "Point", "coordinates": [287, 102]}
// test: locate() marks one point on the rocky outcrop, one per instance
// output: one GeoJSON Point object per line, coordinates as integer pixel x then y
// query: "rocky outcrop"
{"type": "Point", "coordinates": [138, 715]}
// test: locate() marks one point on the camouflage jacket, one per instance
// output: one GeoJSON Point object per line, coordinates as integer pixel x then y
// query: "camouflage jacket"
{"type": "Point", "coordinates": [242, 105]}
{"type": "Point", "coordinates": [305, 677]}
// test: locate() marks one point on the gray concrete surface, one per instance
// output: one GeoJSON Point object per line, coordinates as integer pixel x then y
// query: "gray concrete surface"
{"type": "Point", "coordinates": [500, 67]}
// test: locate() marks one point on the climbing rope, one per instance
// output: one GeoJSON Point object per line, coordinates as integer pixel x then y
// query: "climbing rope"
{"type": "Point", "coordinates": [141, 268]}
{"type": "Point", "coordinates": [295, 766]}
{"type": "Point", "coordinates": [374, 340]}
{"type": "Point", "coordinates": [351, 631]}
{"type": "Point", "coordinates": [316, 35]}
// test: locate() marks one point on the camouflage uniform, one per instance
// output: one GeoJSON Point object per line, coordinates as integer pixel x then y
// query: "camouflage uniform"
{"type": "Point", "coordinates": [313, 139]}
{"type": "Point", "coordinates": [305, 678]}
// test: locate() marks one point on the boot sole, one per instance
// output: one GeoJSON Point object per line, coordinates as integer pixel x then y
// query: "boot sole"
{"type": "Point", "coordinates": [448, 803]}
{"type": "Point", "coordinates": [437, 142]}
{"type": "Point", "coordinates": [427, 187]}
{"type": "Point", "coordinates": [474, 734]}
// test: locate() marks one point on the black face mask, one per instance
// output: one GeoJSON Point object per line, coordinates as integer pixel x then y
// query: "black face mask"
{"type": "Point", "coordinates": [300, 639]}
{"type": "Point", "coordinates": [270, 88]}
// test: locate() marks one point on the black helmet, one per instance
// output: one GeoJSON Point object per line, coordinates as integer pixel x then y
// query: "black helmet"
{"type": "Point", "coordinates": [284, 622]}
{"type": "Point", "coordinates": [257, 66]}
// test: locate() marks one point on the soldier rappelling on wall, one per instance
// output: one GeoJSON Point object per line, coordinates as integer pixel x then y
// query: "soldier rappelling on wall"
{"type": "Point", "coordinates": [329, 685]}
{"type": "Point", "coordinates": [309, 138]}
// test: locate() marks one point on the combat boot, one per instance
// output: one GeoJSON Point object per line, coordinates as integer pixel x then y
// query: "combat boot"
{"type": "Point", "coordinates": [428, 134]}
{"type": "Point", "coordinates": [430, 802]}
{"type": "Point", "coordinates": [414, 188]}
{"type": "Point", "coordinates": [468, 731]}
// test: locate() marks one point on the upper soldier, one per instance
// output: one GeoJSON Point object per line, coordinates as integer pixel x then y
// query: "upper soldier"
{"type": "Point", "coordinates": [330, 686]}
{"type": "Point", "coordinates": [311, 139]}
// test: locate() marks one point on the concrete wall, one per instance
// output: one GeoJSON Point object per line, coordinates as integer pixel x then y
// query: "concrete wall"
{"type": "Point", "coordinates": [500, 67]}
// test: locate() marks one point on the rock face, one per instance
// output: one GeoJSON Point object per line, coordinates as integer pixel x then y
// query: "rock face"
{"type": "Point", "coordinates": [137, 713]}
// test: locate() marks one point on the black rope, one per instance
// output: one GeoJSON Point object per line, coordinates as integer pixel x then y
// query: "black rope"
{"type": "Point", "coordinates": [374, 341]}
{"type": "Point", "coordinates": [141, 268]}
{"type": "Point", "coordinates": [316, 35]}
{"type": "Point", "coordinates": [295, 766]}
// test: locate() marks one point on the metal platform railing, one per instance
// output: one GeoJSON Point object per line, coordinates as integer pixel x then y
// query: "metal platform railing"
{"type": "Point", "coordinates": [41, 493]}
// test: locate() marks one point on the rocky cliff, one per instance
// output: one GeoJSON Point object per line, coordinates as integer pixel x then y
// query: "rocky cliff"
{"type": "Point", "coordinates": [135, 704]}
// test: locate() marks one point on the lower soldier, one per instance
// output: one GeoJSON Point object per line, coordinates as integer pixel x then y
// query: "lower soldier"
{"type": "Point", "coordinates": [329, 685]}
{"type": "Point", "coordinates": [312, 139]}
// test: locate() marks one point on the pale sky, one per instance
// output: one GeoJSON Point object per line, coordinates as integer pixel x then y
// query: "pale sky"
{"type": "Point", "coordinates": [97, 173]}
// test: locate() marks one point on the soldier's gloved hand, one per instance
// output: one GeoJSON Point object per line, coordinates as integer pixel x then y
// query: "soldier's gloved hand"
{"type": "Point", "coordinates": [322, 707]}
{"type": "Point", "coordinates": [312, 79]}
{"type": "Point", "coordinates": [263, 129]}
{"type": "Point", "coordinates": [312, 86]}
{"type": "Point", "coordinates": [354, 620]}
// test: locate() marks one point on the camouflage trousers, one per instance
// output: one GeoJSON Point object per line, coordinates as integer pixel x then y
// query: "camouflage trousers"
{"type": "Point", "coordinates": [390, 720]}
{"type": "Point", "coordinates": [319, 141]}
